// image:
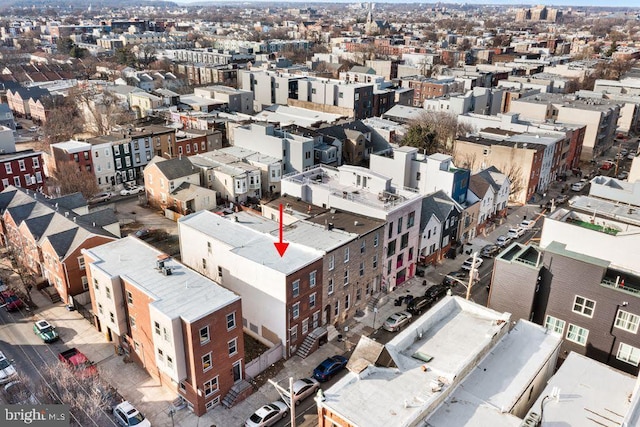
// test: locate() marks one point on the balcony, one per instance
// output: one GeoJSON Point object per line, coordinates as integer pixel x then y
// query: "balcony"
{"type": "Point", "coordinates": [622, 285]}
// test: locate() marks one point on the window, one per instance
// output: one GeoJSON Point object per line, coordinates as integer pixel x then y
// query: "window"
{"type": "Point", "coordinates": [347, 301]}
{"type": "Point", "coordinates": [296, 288]}
{"type": "Point", "coordinates": [85, 282]}
{"type": "Point", "coordinates": [165, 334]}
{"type": "Point", "coordinates": [233, 346]}
{"type": "Point", "coordinates": [209, 247]}
{"type": "Point", "coordinates": [5, 182]}
{"type": "Point", "coordinates": [296, 310]}
{"type": "Point", "coordinates": [112, 317]}
{"type": "Point", "coordinates": [376, 239]}
{"type": "Point", "coordinates": [332, 262]}
{"type": "Point", "coordinates": [231, 321]}
{"type": "Point", "coordinates": [346, 277]}
{"type": "Point", "coordinates": [38, 177]}
{"type": "Point", "coordinates": [16, 181]}
{"type": "Point", "coordinates": [7, 168]}
{"type": "Point", "coordinates": [116, 149]}
{"type": "Point", "coordinates": [204, 263]}
{"type": "Point", "coordinates": [100, 308]}
{"type": "Point", "coordinates": [375, 261]}
{"type": "Point", "coordinates": [161, 355]}
{"type": "Point", "coordinates": [22, 165]}
{"type": "Point", "coordinates": [206, 362]}
{"type": "Point", "coordinates": [312, 279]}
{"type": "Point", "coordinates": [156, 328]}
{"type": "Point", "coordinates": [628, 354]}
{"type": "Point", "coordinates": [411, 219]}
{"type": "Point", "coordinates": [188, 148]}
{"type": "Point", "coordinates": [95, 284]}
{"type": "Point", "coordinates": [336, 308]}
{"type": "Point", "coordinates": [346, 254]}
{"type": "Point", "coordinates": [96, 154]}
{"type": "Point", "coordinates": [211, 387]}
{"type": "Point", "coordinates": [129, 298]}
{"type": "Point", "coordinates": [330, 286]}
{"type": "Point", "coordinates": [404, 241]}
{"type": "Point", "coordinates": [399, 225]}
{"type": "Point", "coordinates": [204, 335]}
{"type": "Point", "coordinates": [220, 272]}
{"type": "Point", "coordinates": [627, 321]}
{"type": "Point", "coordinates": [312, 300]}
{"type": "Point", "coordinates": [169, 362]}
{"type": "Point", "coordinates": [132, 322]}
{"type": "Point", "coordinates": [577, 334]}
{"type": "Point", "coordinates": [81, 262]}
{"type": "Point", "coordinates": [391, 250]}
{"type": "Point", "coordinates": [127, 161]}
{"type": "Point", "coordinates": [390, 230]}
{"type": "Point", "coordinates": [362, 269]}
{"type": "Point", "coordinates": [293, 334]}
{"type": "Point", "coordinates": [305, 326]}
{"type": "Point", "coordinates": [36, 162]}
{"type": "Point", "coordinates": [583, 306]}
{"type": "Point", "coordinates": [108, 292]}
{"type": "Point", "coordinates": [555, 325]}
{"type": "Point", "coordinates": [362, 246]}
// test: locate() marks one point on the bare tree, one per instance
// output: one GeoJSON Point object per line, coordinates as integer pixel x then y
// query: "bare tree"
{"type": "Point", "coordinates": [87, 395]}
{"type": "Point", "coordinates": [69, 178]}
{"type": "Point", "coordinates": [63, 121]}
{"type": "Point", "coordinates": [102, 111]}
{"type": "Point", "coordinates": [434, 132]}
{"type": "Point", "coordinates": [16, 274]}
{"type": "Point", "coordinates": [514, 172]}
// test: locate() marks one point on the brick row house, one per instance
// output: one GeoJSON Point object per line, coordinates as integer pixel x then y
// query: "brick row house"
{"type": "Point", "coordinates": [176, 324]}
{"type": "Point", "coordinates": [280, 295]}
{"type": "Point", "coordinates": [48, 235]}
{"type": "Point", "coordinates": [24, 169]}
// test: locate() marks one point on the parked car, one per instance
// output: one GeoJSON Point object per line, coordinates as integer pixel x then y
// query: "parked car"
{"type": "Point", "coordinates": [33, 128]}
{"type": "Point", "coordinates": [623, 175]}
{"type": "Point", "coordinates": [578, 186]}
{"type": "Point", "coordinates": [631, 156]}
{"type": "Point", "coordinates": [268, 415]}
{"type": "Point", "coordinates": [503, 241]}
{"type": "Point", "coordinates": [101, 197]}
{"type": "Point", "coordinates": [396, 321]}
{"type": "Point", "coordinates": [45, 331]}
{"type": "Point", "coordinates": [449, 279]}
{"type": "Point", "coordinates": [606, 165]}
{"type": "Point", "coordinates": [468, 263]}
{"type": "Point", "coordinates": [528, 224]}
{"type": "Point", "coordinates": [516, 232]}
{"type": "Point", "coordinates": [489, 251]}
{"type": "Point", "coordinates": [127, 415]}
{"type": "Point", "coordinates": [561, 199]}
{"type": "Point", "coordinates": [11, 301]}
{"type": "Point", "coordinates": [436, 292]}
{"type": "Point", "coordinates": [624, 152]}
{"type": "Point", "coordinates": [132, 190]}
{"type": "Point", "coordinates": [418, 305]}
{"type": "Point", "coordinates": [303, 388]}
{"type": "Point", "coordinates": [329, 367]}
{"type": "Point", "coordinates": [17, 393]}
{"type": "Point", "coordinates": [143, 232]}
{"type": "Point", "coordinates": [7, 370]}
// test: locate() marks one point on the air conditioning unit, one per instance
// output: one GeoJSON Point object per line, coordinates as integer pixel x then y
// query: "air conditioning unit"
{"type": "Point", "coordinates": [160, 264]}
{"type": "Point", "coordinates": [532, 420]}
{"type": "Point", "coordinates": [166, 271]}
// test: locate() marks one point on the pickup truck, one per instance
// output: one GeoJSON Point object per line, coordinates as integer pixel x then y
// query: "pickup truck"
{"type": "Point", "coordinates": [77, 361]}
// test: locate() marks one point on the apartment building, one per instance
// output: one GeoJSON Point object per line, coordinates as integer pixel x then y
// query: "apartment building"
{"type": "Point", "coordinates": [48, 235]}
{"type": "Point", "coordinates": [295, 151]}
{"type": "Point", "coordinates": [104, 167]}
{"type": "Point", "coordinates": [438, 226]}
{"type": "Point", "coordinates": [519, 158]}
{"type": "Point", "coordinates": [24, 169]}
{"type": "Point", "coordinates": [600, 117]}
{"type": "Point", "coordinates": [236, 100]}
{"type": "Point", "coordinates": [270, 167]}
{"type": "Point", "coordinates": [78, 152]}
{"type": "Point", "coordinates": [231, 178]}
{"type": "Point", "coordinates": [359, 190]}
{"type": "Point", "coordinates": [427, 174]}
{"type": "Point", "coordinates": [149, 141]}
{"type": "Point", "coordinates": [143, 103]}
{"type": "Point", "coordinates": [193, 141]}
{"type": "Point", "coordinates": [582, 283]}
{"type": "Point", "coordinates": [458, 364]}
{"type": "Point", "coordinates": [425, 88]}
{"type": "Point", "coordinates": [281, 296]}
{"type": "Point", "coordinates": [178, 325]}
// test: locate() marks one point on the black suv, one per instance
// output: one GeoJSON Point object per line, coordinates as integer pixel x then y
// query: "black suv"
{"type": "Point", "coordinates": [448, 281]}
{"type": "Point", "coordinates": [436, 292]}
{"type": "Point", "coordinates": [420, 304]}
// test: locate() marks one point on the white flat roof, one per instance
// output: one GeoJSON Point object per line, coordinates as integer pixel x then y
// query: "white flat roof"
{"type": "Point", "coordinates": [499, 380]}
{"type": "Point", "coordinates": [590, 394]}
{"type": "Point", "coordinates": [185, 293]}
{"type": "Point", "coordinates": [454, 333]}
{"type": "Point", "coordinates": [251, 244]}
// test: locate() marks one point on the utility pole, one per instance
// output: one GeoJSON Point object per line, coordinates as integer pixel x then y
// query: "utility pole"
{"type": "Point", "coordinates": [472, 275]}
{"type": "Point", "coordinates": [288, 398]}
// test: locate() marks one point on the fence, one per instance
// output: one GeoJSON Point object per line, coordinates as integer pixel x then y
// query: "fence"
{"type": "Point", "coordinates": [262, 362]}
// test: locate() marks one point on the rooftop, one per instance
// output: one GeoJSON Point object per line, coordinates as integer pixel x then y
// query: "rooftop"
{"type": "Point", "coordinates": [588, 393]}
{"type": "Point", "coordinates": [250, 244]}
{"type": "Point", "coordinates": [184, 294]}
{"type": "Point", "coordinates": [72, 146]}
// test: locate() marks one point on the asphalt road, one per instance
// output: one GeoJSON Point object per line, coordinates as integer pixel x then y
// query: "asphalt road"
{"type": "Point", "coordinates": [30, 354]}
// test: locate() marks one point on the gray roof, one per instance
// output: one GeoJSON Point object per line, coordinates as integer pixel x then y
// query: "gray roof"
{"type": "Point", "coordinates": [251, 244]}
{"type": "Point", "coordinates": [38, 225]}
{"type": "Point", "coordinates": [70, 201]}
{"type": "Point", "coordinates": [561, 249]}
{"type": "Point", "coordinates": [61, 242]}
{"type": "Point", "coordinates": [99, 218]}
{"type": "Point", "coordinates": [438, 204]}
{"type": "Point", "coordinates": [479, 185]}
{"type": "Point", "coordinates": [490, 174]}
{"type": "Point", "coordinates": [184, 294]}
{"type": "Point", "coordinates": [176, 168]}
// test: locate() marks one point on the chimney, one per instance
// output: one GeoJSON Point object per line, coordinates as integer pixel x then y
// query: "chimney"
{"type": "Point", "coordinates": [330, 226]}
{"type": "Point", "coordinates": [74, 219]}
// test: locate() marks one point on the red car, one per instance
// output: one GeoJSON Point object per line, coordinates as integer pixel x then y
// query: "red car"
{"type": "Point", "coordinates": [606, 166]}
{"type": "Point", "coordinates": [11, 301]}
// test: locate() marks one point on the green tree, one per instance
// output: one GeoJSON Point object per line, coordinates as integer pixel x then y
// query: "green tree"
{"type": "Point", "coordinates": [421, 137]}
{"type": "Point", "coordinates": [125, 56]}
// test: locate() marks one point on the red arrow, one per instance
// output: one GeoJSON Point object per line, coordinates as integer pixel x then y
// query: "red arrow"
{"type": "Point", "coordinates": [281, 246]}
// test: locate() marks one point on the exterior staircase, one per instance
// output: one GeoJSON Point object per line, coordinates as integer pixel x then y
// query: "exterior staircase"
{"type": "Point", "coordinates": [51, 294]}
{"type": "Point", "coordinates": [239, 390]}
{"type": "Point", "coordinates": [373, 302]}
{"type": "Point", "coordinates": [310, 342]}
